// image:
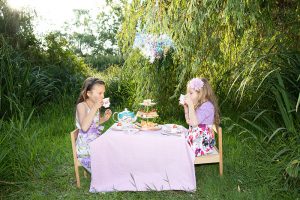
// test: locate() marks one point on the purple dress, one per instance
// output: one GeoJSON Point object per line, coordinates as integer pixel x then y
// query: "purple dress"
{"type": "Point", "coordinates": [84, 138]}
{"type": "Point", "coordinates": [201, 138]}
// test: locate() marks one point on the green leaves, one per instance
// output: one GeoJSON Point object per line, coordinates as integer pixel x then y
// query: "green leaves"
{"type": "Point", "coordinates": [94, 37]}
{"type": "Point", "coordinates": [298, 103]}
{"type": "Point", "coordinates": [293, 168]}
{"type": "Point", "coordinates": [276, 119]}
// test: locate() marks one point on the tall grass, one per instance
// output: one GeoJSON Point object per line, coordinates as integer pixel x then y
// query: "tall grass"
{"type": "Point", "coordinates": [12, 134]}
{"type": "Point", "coordinates": [23, 156]}
{"type": "Point", "coordinates": [46, 165]}
{"type": "Point", "coordinates": [274, 122]}
{"type": "Point", "coordinates": [5, 149]}
{"type": "Point", "coordinates": [32, 74]}
{"type": "Point", "coordinates": [30, 78]}
{"type": "Point", "coordinates": [22, 85]}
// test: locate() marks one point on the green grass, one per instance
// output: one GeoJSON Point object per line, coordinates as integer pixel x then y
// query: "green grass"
{"type": "Point", "coordinates": [45, 150]}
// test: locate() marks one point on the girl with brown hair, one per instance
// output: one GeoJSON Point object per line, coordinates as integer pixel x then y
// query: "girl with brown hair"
{"type": "Point", "coordinates": [88, 119]}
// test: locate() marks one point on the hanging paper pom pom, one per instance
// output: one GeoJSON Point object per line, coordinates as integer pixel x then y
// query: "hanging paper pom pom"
{"type": "Point", "coordinates": [153, 46]}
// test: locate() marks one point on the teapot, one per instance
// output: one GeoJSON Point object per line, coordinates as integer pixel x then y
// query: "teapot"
{"type": "Point", "coordinates": [125, 117]}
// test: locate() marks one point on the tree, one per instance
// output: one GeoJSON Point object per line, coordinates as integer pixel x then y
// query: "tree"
{"type": "Point", "coordinates": [221, 40]}
{"type": "Point", "coordinates": [94, 38]}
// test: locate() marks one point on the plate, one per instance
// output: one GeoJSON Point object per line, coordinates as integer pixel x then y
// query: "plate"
{"type": "Point", "coordinates": [155, 128]}
{"type": "Point", "coordinates": [145, 116]}
{"type": "Point", "coordinates": [169, 128]}
{"type": "Point", "coordinates": [124, 128]}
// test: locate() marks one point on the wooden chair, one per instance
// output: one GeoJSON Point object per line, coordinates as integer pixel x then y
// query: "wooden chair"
{"type": "Point", "coordinates": [217, 155]}
{"type": "Point", "coordinates": [77, 164]}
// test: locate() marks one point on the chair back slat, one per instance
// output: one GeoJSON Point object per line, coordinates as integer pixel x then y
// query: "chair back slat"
{"type": "Point", "coordinates": [215, 128]}
{"type": "Point", "coordinates": [74, 135]}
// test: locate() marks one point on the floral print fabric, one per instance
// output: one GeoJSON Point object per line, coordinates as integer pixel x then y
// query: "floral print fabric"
{"type": "Point", "coordinates": [83, 140]}
{"type": "Point", "coordinates": [201, 139]}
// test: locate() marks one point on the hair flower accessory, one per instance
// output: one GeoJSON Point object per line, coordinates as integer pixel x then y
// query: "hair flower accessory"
{"type": "Point", "coordinates": [196, 84]}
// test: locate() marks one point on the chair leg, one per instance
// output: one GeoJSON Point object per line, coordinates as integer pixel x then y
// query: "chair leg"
{"type": "Point", "coordinates": [85, 173]}
{"type": "Point", "coordinates": [77, 176]}
{"type": "Point", "coordinates": [221, 168]}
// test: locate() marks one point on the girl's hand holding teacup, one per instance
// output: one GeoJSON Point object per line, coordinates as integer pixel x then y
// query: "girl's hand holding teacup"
{"type": "Point", "coordinates": [106, 102]}
{"type": "Point", "coordinates": [188, 100]}
{"type": "Point", "coordinates": [181, 99]}
{"type": "Point", "coordinates": [107, 114]}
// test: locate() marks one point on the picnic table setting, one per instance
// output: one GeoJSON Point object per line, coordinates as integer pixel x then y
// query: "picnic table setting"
{"type": "Point", "coordinates": [137, 154]}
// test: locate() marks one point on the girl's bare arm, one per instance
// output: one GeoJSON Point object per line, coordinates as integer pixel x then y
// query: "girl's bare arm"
{"type": "Point", "coordinates": [85, 119]}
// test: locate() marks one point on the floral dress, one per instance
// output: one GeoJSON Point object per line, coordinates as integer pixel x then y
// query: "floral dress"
{"type": "Point", "coordinates": [84, 138]}
{"type": "Point", "coordinates": [201, 138]}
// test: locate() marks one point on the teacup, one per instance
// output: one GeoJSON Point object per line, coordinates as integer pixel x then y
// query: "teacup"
{"type": "Point", "coordinates": [181, 99]}
{"type": "Point", "coordinates": [106, 102]}
{"type": "Point", "coordinates": [174, 130]}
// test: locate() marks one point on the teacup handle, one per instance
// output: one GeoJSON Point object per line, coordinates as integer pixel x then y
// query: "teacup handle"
{"type": "Point", "coordinates": [113, 116]}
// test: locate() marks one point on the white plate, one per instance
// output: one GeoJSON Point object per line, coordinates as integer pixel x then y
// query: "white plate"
{"type": "Point", "coordinates": [117, 128]}
{"type": "Point", "coordinates": [168, 128]}
{"type": "Point", "coordinates": [123, 128]}
{"type": "Point", "coordinates": [156, 128]}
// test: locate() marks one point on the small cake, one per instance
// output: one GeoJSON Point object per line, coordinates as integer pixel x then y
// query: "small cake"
{"type": "Point", "coordinates": [146, 124]}
{"type": "Point", "coordinates": [152, 113]}
{"type": "Point", "coordinates": [147, 113]}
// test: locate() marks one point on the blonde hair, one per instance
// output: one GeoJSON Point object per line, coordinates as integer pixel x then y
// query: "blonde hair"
{"type": "Point", "coordinates": [207, 93]}
{"type": "Point", "coordinates": [88, 86]}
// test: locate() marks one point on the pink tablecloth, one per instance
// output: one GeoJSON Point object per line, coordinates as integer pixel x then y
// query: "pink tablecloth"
{"type": "Point", "coordinates": [142, 161]}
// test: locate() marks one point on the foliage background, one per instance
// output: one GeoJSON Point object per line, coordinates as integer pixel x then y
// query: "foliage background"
{"type": "Point", "coordinates": [249, 51]}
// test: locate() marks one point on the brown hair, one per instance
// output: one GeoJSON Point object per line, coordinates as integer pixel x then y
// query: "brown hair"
{"type": "Point", "coordinates": [208, 93]}
{"type": "Point", "coordinates": [88, 86]}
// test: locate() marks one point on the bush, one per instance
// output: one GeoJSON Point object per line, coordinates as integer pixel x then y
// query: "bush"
{"type": "Point", "coordinates": [32, 75]}
{"type": "Point", "coordinates": [274, 122]}
{"type": "Point", "coordinates": [118, 87]}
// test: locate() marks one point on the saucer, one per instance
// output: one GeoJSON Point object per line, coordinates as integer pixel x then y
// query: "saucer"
{"type": "Point", "coordinates": [123, 128]}
{"type": "Point", "coordinates": [172, 128]}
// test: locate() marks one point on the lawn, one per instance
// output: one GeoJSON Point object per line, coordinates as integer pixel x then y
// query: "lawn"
{"type": "Point", "coordinates": [46, 148]}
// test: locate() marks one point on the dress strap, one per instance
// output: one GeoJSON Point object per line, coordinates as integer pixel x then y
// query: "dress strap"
{"type": "Point", "coordinates": [87, 106]}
